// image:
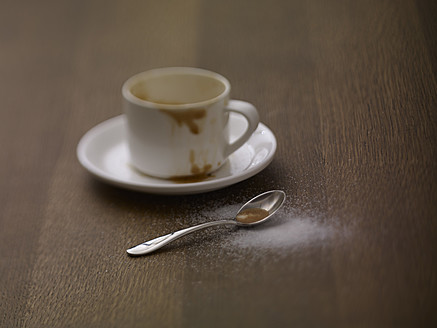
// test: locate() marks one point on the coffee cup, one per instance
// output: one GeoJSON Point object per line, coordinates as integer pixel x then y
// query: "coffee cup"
{"type": "Point", "coordinates": [177, 121]}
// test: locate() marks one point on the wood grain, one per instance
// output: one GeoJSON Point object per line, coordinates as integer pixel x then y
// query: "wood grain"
{"type": "Point", "coordinates": [349, 89]}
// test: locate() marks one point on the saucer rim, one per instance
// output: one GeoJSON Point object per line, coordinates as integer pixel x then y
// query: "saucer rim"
{"type": "Point", "coordinates": [159, 188]}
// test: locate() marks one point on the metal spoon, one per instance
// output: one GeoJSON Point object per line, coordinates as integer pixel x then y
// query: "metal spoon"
{"type": "Point", "coordinates": [255, 211]}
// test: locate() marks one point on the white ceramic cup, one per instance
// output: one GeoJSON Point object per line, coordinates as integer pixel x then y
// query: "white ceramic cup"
{"type": "Point", "coordinates": [177, 121]}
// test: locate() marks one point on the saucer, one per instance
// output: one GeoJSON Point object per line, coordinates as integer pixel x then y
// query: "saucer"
{"type": "Point", "coordinates": [103, 152]}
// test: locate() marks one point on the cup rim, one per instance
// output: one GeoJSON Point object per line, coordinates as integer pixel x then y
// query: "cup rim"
{"type": "Point", "coordinates": [127, 94]}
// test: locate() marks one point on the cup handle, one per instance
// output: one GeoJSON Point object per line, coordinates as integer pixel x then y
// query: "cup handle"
{"type": "Point", "coordinates": [250, 114]}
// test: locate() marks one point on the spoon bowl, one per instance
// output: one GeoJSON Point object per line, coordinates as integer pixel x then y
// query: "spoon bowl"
{"type": "Point", "coordinates": [268, 202]}
{"type": "Point", "coordinates": [255, 211]}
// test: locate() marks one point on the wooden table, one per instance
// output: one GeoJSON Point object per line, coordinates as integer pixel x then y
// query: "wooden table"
{"type": "Point", "coordinates": [349, 89]}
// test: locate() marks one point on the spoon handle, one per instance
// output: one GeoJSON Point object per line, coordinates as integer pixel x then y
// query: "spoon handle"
{"type": "Point", "coordinates": [156, 243]}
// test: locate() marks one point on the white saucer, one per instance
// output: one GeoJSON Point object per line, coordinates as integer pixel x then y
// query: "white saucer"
{"type": "Point", "coordinates": [103, 152]}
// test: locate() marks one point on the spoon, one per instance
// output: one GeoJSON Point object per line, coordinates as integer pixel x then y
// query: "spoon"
{"type": "Point", "coordinates": [255, 211]}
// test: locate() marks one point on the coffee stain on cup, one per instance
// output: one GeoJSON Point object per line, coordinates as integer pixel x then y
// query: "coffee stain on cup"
{"type": "Point", "coordinates": [177, 179]}
{"type": "Point", "coordinates": [187, 117]}
{"type": "Point", "coordinates": [195, 169]}
{"type": "Point", "coordinates": [200, 174]}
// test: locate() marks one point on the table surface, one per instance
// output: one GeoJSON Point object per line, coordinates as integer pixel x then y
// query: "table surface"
{"type": "Point", "coordinates": [348, 88]}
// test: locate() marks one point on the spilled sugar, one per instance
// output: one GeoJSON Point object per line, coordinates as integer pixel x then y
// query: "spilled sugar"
{"type": "Point", "coordinates": [284, 231]}
{"type": "Point", "coordinates": [288, 229]}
